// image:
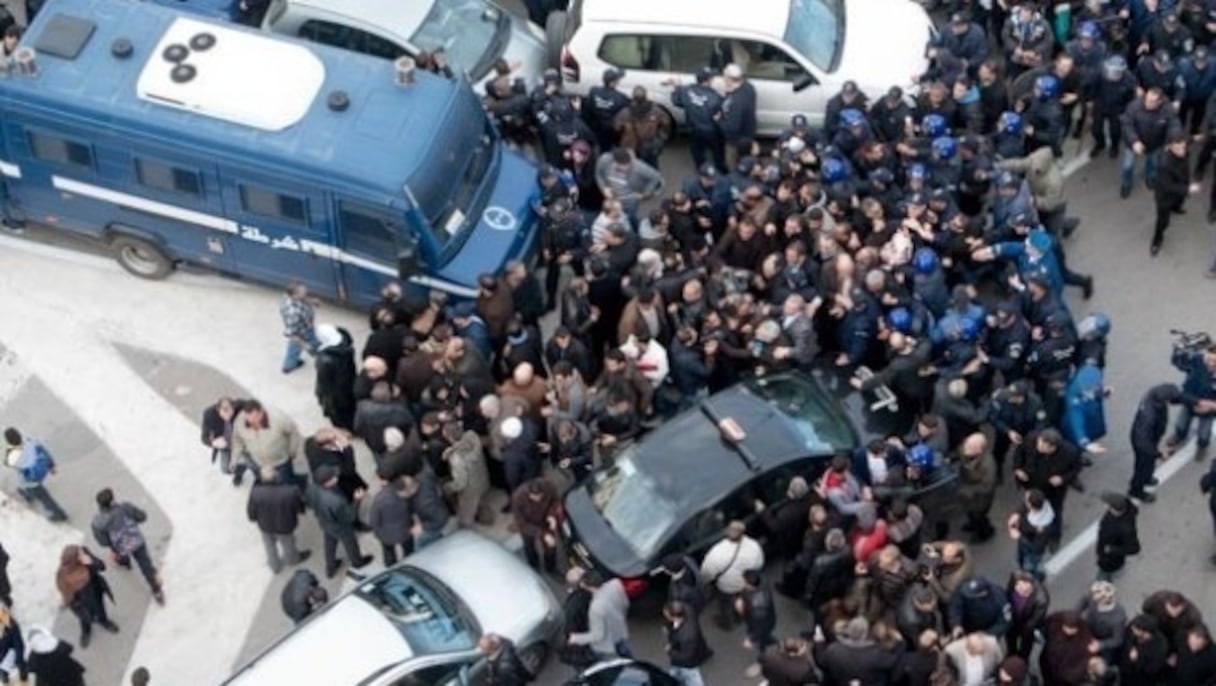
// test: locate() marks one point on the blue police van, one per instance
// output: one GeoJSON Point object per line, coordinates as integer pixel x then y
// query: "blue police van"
{"type": "Point", "coordinates": [177, 139]}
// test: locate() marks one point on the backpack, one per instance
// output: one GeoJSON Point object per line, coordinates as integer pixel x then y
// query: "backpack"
{"type": "Point", "coordinates": [124, 534]}
{"type": "Point", "coordinates": [38, 469]}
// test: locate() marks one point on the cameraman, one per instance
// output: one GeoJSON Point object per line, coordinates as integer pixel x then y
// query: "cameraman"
{"type": "Point", "coordinates": [1199, 365]}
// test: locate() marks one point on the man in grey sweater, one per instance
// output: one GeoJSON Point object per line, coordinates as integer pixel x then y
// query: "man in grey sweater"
{"type": "Point", "coordinates": [623, 177]}
{"type": "Point", "coordinates": [608, 632]}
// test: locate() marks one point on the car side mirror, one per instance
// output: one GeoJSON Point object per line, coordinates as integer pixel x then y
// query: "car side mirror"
{"type": "Point", "coordinates": [408, 263]}
{"type": "Point", "coordinates": [804, 82]}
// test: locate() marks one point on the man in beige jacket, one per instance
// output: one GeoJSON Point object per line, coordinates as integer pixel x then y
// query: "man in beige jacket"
{"type": "Point", "coordinates": [264, 438]}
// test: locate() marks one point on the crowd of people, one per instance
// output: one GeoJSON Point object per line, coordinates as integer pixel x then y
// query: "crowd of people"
{"type": "Point", "coordinates": [915, 245]}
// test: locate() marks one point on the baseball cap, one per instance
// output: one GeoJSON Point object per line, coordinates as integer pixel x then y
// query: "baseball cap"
{"type": "Point", "coordinates": [799, 121]}
{"type": "Point", "coordinates": [849, 87]}
{"type": "Point", "coordinates": [707, 171]}
{"type": "Point", "coordinates": [613, 74]}
{"type": "Point", "coordinates": [705, 73]}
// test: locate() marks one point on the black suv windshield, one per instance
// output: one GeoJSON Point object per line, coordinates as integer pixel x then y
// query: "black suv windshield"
{"type": "Point", "coordinates": [814, 413]}
{"type": "Point", "coordinates": [630, 502]}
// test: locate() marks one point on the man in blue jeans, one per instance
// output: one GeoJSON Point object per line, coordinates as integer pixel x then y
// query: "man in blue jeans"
{"type": "Point", "coordinates": [1146, 124]}
{"type": "Point", "coordinates": [299, 325]}
{"type": "Point", "coordinates": [33, 464]}
{"type": "Point", "coordinates": [1200, 369]}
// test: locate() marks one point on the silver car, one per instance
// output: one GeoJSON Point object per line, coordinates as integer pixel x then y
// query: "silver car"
{"type": "Point", "coordinates": [472, 34]}
{"type": "Point", "coordinates": [418, 622]}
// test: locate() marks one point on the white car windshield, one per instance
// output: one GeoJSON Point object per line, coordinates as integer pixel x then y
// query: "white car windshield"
{"type": "Point", "coordinates": [471, 34]}
{"type": "Point", "coordinates": [816, 31]}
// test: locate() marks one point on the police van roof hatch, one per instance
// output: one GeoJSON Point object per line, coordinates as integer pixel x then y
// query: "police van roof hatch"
{"type": "Point", "coordinates": [230, 74]}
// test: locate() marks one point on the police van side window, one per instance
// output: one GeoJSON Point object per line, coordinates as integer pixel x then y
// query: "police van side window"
{"type": "Point", "coordinates": [368, 231]}
{"type": "Point", "coordinates": [60, 150]}
{"type": "Point", "coordinates": [272, 204]}
{"type": "Point", "coordinates": [167, 178]}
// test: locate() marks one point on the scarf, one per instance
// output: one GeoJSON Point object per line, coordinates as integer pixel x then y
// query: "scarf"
{"type": "Point", "coordinates": [72, 576]}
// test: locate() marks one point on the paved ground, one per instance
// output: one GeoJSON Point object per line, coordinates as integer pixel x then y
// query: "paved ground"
{"type": "Point", "coordinates": [113, 372]}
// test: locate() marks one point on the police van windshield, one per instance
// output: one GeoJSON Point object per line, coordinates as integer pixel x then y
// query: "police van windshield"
{"type": "Point", "coordinates": [471, 33]}
{"type": "Point", "coordinates": [816, 30]}
{"type": "Point", "coordinates": [449, 186]}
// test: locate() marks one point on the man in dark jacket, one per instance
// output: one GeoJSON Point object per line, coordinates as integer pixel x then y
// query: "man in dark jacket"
{"type": "Point", "coordinates": [1145, 125]}
{"type": "Point", "coordinates": [391, 519]}
{"type": "Point", "coordinates": [854, 657]}
{"type": "Point", "coordinates": [532, 505]}
{"type": "Point", "coordinates": [686, 647]}
{"type": "Point", "coordinates": [503, 665]}
{"type": "Point", "coordinates": [335, 387]}
{"type": "Point", "coordinates": [702, 106]}
{"type": "Point", "coordinates": [978, 605]}
{"type": "Point", "coordinates": [1200, 382]}
{"type": "Point", "coordinates": [1152, 418]}
{"type": "Point", "coordinates": [755, 605]}
{"type": "Point", "coordinates": [302, 595]}
{"type": "Point", "coordinates": [788, 664]}
{"type": "Point", "coordinates": [1144, 654]}
{"type": "Point", "coordinates": [380, 411]}
{"type": "Point", "coordinates": [1172, 186]}
{"type": "Point", "coordinates": [276, 506]}
{"type": "Point", "coordinates": [1048, 462]}
{"type": "Point", "coordinates": [217, 431]}
{"type": "Point", "coordinates": [6, 586]}
{"type": "Point", "coordinates": [337, 517]}
{"type": "Point", "coordinates": [1196, 661]}
{"type": "Point", "coordinates": [1117, 534]}
{"type": "Point", "coordinates": [1207, 484]}
{"type": "Point", "coordinates": [116, 527]}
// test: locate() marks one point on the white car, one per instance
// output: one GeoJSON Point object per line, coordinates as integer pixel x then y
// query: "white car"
{"type": "Point", "coordinates": [417, 623]}
{"type": "Point", "coordinates": [797, 53]}
{"type": "Point", "coordinates": [471, 33]}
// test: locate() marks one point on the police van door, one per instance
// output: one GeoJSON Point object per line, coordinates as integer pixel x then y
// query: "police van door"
{"type": "Point", "coordinates": [283, 234]}
{"type": "Point", "coordinates": [370, 241]}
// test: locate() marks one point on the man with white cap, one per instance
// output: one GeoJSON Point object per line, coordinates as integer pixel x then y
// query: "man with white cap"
{"type": "Point", "coordinates": [738, 116]}
{"type": "Point", "coordinates": [519, 458]}
{"type": "Point", "coordinates": [51, 660]}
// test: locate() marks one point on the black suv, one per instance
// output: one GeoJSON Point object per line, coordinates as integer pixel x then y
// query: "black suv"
{"type": "Point", "coordinates": [675, 489]}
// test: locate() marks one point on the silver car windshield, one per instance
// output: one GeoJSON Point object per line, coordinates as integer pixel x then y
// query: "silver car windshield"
{"type": "Point", "coordinates": [630, 502]}
{"type": "Point", "coordinates": [816, 31]}
{"type": "Point", "coordinates": [469, 32]}
{"type": "Point", "coordinates": [427, 615]}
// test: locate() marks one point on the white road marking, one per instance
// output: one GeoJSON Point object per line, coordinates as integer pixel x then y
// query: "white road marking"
{"type": "Point", "coordinates": [1075, 164]}
{"type": "Point", "coordinates": [1083, 543]}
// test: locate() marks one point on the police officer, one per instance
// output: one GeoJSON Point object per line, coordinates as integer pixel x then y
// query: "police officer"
{"type": "Point", "coordinates": [1116, 91]}
{"type": "Point", "coordinates": [702, 107]}
{"type": "Point", "coordinates": [1015, 412]}
{"type": "Point", "coordinates": [562, 243]}
{"type": "Point", "coordinates": [1008, 341]}
{"type": "Point", "coordinates": [560, 127]}
{"type": "Point", "coordinates": [850, 96]}
{"type": "Point", "coordinates": [1087, 51]}
{"type": "Point", "coordinates": [891, 115]}
{"type": "Point", "coordinates": [603, 104]}
{"type": "Point", "coordinates": [1009, 139]}
{"type": "Point", "coordinates": [1161, 72]}
{"type": "Point", "coordinates": [975, 175]}
{"type": "Point", "coordinates": [1049, 362]}
{"type": "Point", "coordinates": [1198, 72]}
{"type": "Point", "coordinates": [1045, 121]}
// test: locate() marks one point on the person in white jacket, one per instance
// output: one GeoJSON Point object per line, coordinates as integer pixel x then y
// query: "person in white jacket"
{"type": "Point", "coordinates": [724, 565]}
{"type": "Point", "coordinates": [649, 355]}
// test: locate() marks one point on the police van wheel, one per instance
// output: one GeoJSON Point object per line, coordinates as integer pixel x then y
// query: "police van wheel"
{"type": "Point", "coordinates": [141, 258]}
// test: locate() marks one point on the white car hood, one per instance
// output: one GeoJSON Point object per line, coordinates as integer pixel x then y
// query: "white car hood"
{"type": "Point", "coordinates": [884, 45]}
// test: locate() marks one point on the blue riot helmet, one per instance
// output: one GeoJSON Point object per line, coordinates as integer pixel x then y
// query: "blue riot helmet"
{"type": "Point", "coordinates": [833, 171]}
{"type": "Point", "coordinates": [1010, 123]}
{"type": "Point", "coordinates": [882, 176]}
{"type": "Point", "coordinates": [969, 329]}
{"type": "Point", "coordinates": [925, 261]}
{"type": "Point", "coordinates": [945, 148]}
{"type": "Point", "coordinates": [851, 117]}
{"type": "Point", "coordinates": [918, 171]}
{"type": "Point", "coordinates": [1094, 326]}
{"type": "Point", "coordinates": [934, 125]}
{"type": "Point", "coordinates": [1047, 87]}
{"type": "Point", "coordinates": [921, 457]}
{"type": "Point", "coordinates": [1089, 30]}
{"type": "Point", "coordinates": [1114, 67]}
{"type": "Point", "coordinates": [900, 319]}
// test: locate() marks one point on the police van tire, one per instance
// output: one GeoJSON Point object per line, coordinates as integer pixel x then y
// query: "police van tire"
{"type": "Point", "coordinates": [555, 38]}
{"type": "Point", "coordinates": [141, 258]}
